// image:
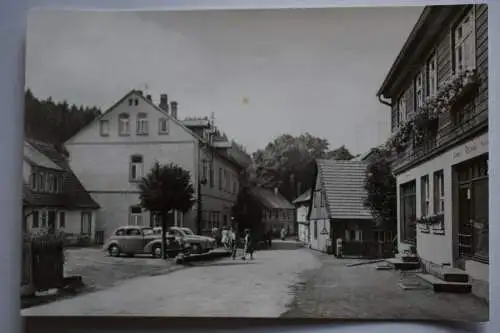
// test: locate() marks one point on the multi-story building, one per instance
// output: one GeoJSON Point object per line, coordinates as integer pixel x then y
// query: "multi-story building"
{"type": "Point", "coordinates": [112, 154]}
{"type": "Point", "coordinates": [54, 200]}
{"type": "Point", "coordinates": [437, 89]}
{"type": "Point", "coordinates": [302, 203]}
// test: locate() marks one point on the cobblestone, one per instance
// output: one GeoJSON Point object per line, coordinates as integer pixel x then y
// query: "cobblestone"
{"type": "Point", "coordinates": [362, 292]}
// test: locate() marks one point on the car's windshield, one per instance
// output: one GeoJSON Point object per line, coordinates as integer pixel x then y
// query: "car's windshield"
{"type": "Point", "coordinates": [187, 231]}
{"type": "Point", "coordinates": [147, 231]}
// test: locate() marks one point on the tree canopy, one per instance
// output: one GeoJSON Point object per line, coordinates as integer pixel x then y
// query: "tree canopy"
{"type": "Point", "coordinates": [381, 187]}
{"type": "Point", "coordinates": [287, 162]}
{"type": "Point", "coordinates": [54, 122]}
{"type": "Point", "coordinates": [166, 187]}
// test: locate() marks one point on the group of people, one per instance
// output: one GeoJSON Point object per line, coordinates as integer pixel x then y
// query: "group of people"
{"type": "Point", "coordinates": [230, 240]}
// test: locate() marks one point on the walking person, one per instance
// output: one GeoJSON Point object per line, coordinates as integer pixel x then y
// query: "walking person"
{"type": "Point", "coordinates": [225, 237]}
{"type": "Point", "coordinates": [249, 245]}
{"type": "Point", "coordinates": [283, 233]}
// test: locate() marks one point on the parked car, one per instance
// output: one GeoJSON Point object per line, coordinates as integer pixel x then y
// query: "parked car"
{"type": "Point", "coordinates": [131, 240]}
{"type": "Point", "coordinates": [197, 244]}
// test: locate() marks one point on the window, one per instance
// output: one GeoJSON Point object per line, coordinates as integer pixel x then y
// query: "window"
{"type": "Point", "coordinates": [136, 167]}
{"type": "Point", "coordinates": [123, 124]}
{"type": "Point", "coordinates": [142, 124]}
{"type": "Point", "coordinates": [130, 102]}
{"type": "Point", "coordinates": [163, 126]}
{"type": "Point", "coordinates": [283, 214]}
{"type": "Point", "coordinates": [136, 102]}
{"type": "Point", "coordinates": [51, 183]}
{"type": "Point", "coordinates": [36, 219]}
{"type": "Point", "coordinates": [212, 174]}
{"type": "Point", "coordinates": [86, 218]}
{"type": "Point", "coordinates": [424, 196]}
{"type": "Point", "coordinates": [464, 48]}
{"type": "Point", "coordinates": [135, 216]}
{"type": "Point", "coordinates": [104, 127]}
{"type": "Point", "coordinates": [401, 110]}
{"type": "Point", "coordinates": [321, 199]}
{"type": "Point", "coordinates": [419, 90]}
{"type": "Point", "coordinates": [438, 192]}
{"type": "Point", "coordinates": [276, 214]}
{"type": "Point", "coordinates": [33, 181]}
{"type": "Point", "coordinates": [43, 223]}
{"type": "Point", "coordinates": [431, 77]}
{"type": "Point", "coordinates": [56, 183]}
{"type": "Point", "coordinates": [62, 220]}
{"type": "Point", "coordinates": [220, 179]}
{"type": "Point", "coordinates": [41, 182]}
{"type": "Point", "coordinates": [226, 181]}
{"type": "Point", "coordinates": [315, 199]}
{"type": "Point", "coordinates": [315, 229]}
{"type": "Point", "coordinates": [134, 232]}
{"type": "Point", "coordinates": [120, 232]}
{"type": "Point", "coordinates": [408, 203]}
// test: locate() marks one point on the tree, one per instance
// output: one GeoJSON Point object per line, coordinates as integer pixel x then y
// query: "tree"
{"type": "Point", "coordinates": [380, 184]}
{"type": "Point", "coordinates": [165, 188]}
{"type": "Point", "coordinates": [341, 153]}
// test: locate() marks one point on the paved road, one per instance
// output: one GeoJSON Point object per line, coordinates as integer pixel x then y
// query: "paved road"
{"type": "Point", "coordinates": [258, 288]}
{"type": "Point", "coordinates": [362, 292]}
{"type": "Point", "coordinates": [100, 271]}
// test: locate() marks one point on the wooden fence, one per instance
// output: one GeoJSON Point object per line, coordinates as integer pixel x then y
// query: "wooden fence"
{"type": "Point", "coordinates": [366, 249]}
{"type": "Point", "coordinates": [43, 263]}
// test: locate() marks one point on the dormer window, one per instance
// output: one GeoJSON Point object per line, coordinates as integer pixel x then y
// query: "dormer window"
{"type": "Point", "coordinates": [163, 125]}
{"type": "Point", "coordinates": [142, 124]}
{"type": "Point", "coordinates": [123, 124]}
{"type": "Point", "coordinates": [104, 127]}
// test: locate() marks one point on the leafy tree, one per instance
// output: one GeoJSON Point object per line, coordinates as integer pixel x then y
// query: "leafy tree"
{"type": "Point", "coordinates": [165, 188]}
{"type": "Point", "coordinates": [341, 153]}
{"type": "Point", "coordinates": [247, 212]}
{"type": "Point", "coordinates": [288, 162]}
{"type": "Point", "coordinates": [381, 187]}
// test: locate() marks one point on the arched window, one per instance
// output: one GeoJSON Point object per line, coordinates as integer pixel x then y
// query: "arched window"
{"type": "Point", "coordinates": [124, 124]}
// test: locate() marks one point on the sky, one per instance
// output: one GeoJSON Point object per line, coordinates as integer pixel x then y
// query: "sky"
{"type": "Point", "coordinates": [262, 73]}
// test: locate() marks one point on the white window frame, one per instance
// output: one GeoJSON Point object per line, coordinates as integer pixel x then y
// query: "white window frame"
{"type": "Point", "coordinates": [163, 126]}
{"type": "Point", "coordinates": [464, 37]}
{"type": "Point", "coordinates": [142, 124]}
{"type": "Point", "coordinates": [50, 183]}
{"type": "Point", "coordinates": [419, 90]}
{"type": "Point", "coordinates": [41, 182]}
{"type": "Point", "coordinates": [425, 196]}
{"type": "Point", "coordinates": [401, 110]}
{"type": "Point", "coordinates": [439, 182]}
{"type": "Point", "coordinates": [136, 168]}
{"type": "Point", "coordinates": [431, 77]}
{"type": "Point", "coordinates": [123, 124]}
{"type": "Point", "coordinates": [135, 219]}
{"type": "Point", "coordinates": [104, 127]}
{"type": "Point", "coordinates": [86, 220]}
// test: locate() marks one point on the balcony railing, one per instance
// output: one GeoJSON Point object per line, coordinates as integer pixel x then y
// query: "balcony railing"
{"type": "Point", "coordinates": [458, 127]}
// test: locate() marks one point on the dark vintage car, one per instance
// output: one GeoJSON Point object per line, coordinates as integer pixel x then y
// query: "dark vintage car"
{"type": "Point", "coordinates": [131, 240]}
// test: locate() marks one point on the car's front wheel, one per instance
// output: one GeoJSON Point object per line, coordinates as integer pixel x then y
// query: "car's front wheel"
{"type": "Point", "coordinates": [114, 251]}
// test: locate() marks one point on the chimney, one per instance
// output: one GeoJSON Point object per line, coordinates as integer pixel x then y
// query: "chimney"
{"type": "Point", "coordinates": [173, 108]}
{"type": "Point", "coordinates": [163, 102]}
{"type": "Point", "coordinates": [149, 98]}
{"type": "Point", "coordinates": [276, 191]}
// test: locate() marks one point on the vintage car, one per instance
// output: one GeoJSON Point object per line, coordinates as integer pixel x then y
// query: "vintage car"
{"type": "Point", "coordinates": [131, 240]}
{"type": "Point", "coordinates": [197, 244]}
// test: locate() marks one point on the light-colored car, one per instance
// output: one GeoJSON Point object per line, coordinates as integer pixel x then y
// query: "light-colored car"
{"type": "Point", "coordinates": [131, 240]}
{"type": "Point", "coordinates": [197, 244]}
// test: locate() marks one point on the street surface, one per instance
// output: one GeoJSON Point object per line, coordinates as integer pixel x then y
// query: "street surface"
{"type": "Point", "coordinates": [258, 288]}
{"type": "Point", "coordinates": [362, 292]}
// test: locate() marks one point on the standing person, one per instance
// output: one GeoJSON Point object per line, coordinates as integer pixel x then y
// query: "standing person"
{"type": "Point", "coordinates": [269, 238]}
{"type": "Point", "coordinates": [283, 233]}
{"type": "Point", "coordinates": [232, 242]}
{"type": "Point", "coordinates": [249, 245]}
{"type": "Point", "coordinates": [225, 237]}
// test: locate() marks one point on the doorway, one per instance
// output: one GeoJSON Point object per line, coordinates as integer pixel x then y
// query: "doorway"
{"type": "Point", "coordinates": [51, 222]}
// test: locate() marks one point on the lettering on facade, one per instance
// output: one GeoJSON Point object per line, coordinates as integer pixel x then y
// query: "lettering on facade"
{"type": "Point", "coordinates": [470, 148]}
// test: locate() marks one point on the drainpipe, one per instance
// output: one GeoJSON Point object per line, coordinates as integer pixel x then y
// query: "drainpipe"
{"type": "Point", "coordinates": [382, 101]}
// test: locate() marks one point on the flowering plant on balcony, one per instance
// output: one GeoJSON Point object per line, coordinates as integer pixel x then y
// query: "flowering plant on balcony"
{"type": "Point", "coordinates": [427, 114]}
{"type": "Point", "coordinates": [431, 220]}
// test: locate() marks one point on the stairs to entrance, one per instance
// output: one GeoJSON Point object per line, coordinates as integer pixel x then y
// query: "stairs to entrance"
{"type": "Point", "coordinates": [447, 279]}
{"type": "Point", "coordinates": [404, 263]}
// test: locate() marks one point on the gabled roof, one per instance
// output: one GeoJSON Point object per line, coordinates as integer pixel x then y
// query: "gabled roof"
{"type": "Point", "coordinates": [343, 185]}
{"type": "Point", "coordinates": [73, 194]}
{"type": "Point", "coordinates": [36, 158]}
{"type": "Point", "coordinates": [303, 198]}
{"type": "Point", "coordinates": [270, 199]}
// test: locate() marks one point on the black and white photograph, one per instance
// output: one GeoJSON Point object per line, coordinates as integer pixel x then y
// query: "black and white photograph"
{"type": "Point", "coordinates": [296, 163]}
